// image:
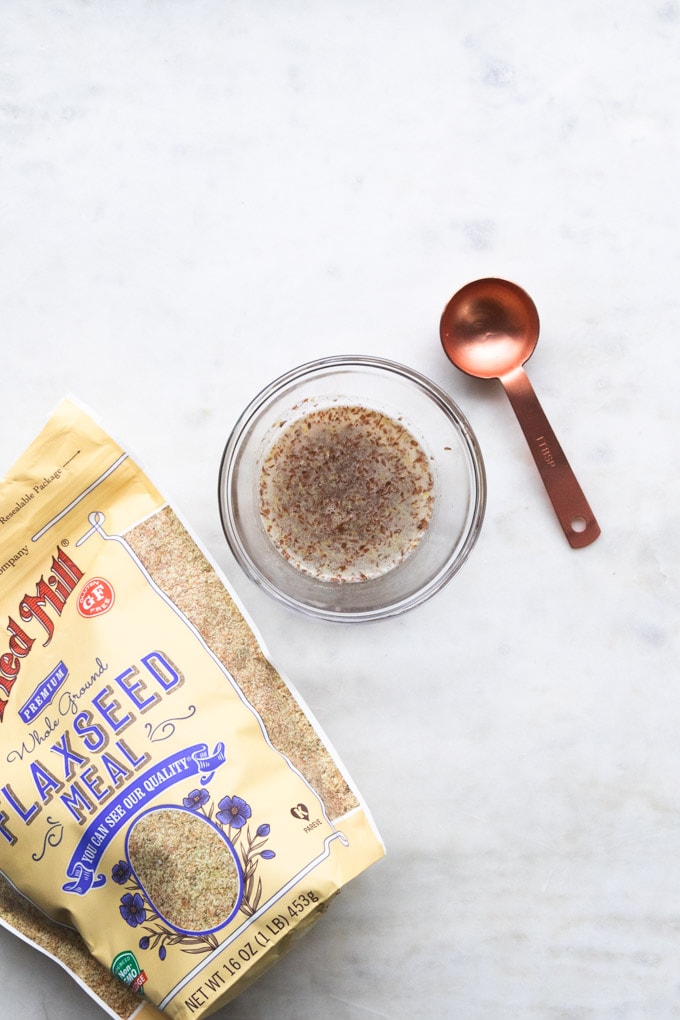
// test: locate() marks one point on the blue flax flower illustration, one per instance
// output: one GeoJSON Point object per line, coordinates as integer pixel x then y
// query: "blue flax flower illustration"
{"type": "Point", "coordinates": [132, 909]}
{"type": "Point", "coordinates": [196, 799]}
{"type": "Point", "coordinates": [233, 811]}
{"type": "Point", "coordinates": [121, 872]}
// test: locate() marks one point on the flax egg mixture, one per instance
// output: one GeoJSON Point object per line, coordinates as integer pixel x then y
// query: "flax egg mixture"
{"type": "Point", "coordinates": [346, 493]}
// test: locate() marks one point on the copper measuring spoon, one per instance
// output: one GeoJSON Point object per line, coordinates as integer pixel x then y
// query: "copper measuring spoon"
{"type": "Point", "coordinates": [489, 329]}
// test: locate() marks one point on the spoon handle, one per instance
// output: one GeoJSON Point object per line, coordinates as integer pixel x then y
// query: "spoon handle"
{"type": "Point", "coordinates": [571, 506]}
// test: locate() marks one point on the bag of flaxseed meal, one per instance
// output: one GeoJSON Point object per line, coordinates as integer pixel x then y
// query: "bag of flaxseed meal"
{"type": "Point", "coordinates": [171, 816]}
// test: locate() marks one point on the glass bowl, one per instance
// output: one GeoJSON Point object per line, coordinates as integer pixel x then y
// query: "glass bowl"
{"type": "Point", "coordinates": [328, 390]}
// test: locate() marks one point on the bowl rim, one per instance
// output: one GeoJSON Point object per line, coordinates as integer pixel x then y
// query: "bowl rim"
{"type": "Point", "coordinates": [448, 406]}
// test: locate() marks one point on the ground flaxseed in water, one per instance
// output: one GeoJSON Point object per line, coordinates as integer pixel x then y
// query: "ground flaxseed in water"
{"type": "Point", "coordinates": [186, 868]}
{"type": "Point", "coordinates": [346, 493]}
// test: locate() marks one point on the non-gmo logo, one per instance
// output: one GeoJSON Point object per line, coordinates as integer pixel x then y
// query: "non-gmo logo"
{"type": "Point", "coordinates": [96, 597]}
{"type": "Point", "coordinates": [126, 967]}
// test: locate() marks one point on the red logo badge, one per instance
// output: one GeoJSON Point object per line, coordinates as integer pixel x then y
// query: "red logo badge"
{"type": "Point", "coordinates": [96, 597]}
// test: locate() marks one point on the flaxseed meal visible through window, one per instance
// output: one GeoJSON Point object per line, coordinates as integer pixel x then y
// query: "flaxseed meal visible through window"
{"type": "Point", "coordinates": [181, 569]}
{"type": "Point", "coordinates": [186, 868]}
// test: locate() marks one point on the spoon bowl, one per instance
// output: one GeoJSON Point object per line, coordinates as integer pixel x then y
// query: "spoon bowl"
{"type": "Point", "coordinates": [489, 330]}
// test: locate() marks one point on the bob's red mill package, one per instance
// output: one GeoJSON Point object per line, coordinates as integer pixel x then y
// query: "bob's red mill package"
{"type": "Point", "coordinates": [171, 816]}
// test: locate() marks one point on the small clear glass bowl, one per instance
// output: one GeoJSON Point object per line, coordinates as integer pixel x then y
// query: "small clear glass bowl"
{"type": "Point", "coordinates": [433, 419]}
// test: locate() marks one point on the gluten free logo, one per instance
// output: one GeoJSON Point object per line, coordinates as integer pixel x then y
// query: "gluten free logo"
{"type": "Point", "coordinates": [96, 597]}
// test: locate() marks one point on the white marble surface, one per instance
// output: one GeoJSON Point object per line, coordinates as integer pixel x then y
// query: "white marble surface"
{"type": "Point", "coordinates": [196, 196]}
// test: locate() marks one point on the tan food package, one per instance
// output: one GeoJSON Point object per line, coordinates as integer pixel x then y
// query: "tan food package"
{"type": "Point", "coordinates": [170, 814]}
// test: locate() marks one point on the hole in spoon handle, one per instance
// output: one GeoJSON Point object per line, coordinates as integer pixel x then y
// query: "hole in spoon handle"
{"type": "Point", "coordinates": [566, 495]}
